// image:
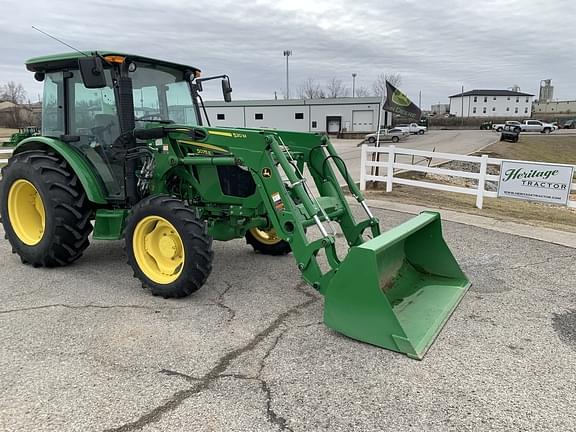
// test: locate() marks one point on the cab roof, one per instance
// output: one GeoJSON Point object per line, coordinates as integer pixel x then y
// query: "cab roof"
{"type": "Point", "coordinates": [69, 60]}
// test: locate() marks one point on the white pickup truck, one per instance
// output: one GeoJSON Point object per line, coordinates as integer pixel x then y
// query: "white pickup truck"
{"type": "Point", "coordinates": [412, 128]}
{"type": "Point", "coordinates": [527, 126]}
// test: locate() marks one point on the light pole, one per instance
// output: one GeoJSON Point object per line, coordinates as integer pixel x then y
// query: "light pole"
{"type": "Point", "coordinates": [287, 53]}
{"type": "Point", "coordinates": [353, 84]}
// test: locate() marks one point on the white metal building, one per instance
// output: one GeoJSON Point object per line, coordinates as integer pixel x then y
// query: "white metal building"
{"type": "Point", "coordinates": [491, 103]}
{"type": "Point", "coordinates": [302, 115]}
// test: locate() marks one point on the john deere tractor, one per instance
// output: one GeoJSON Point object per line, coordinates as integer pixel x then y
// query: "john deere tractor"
{"type": "Point", "coordinates": [125, 154]}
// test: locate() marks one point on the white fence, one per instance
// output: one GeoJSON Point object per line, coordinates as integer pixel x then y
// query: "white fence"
{"type": "Point", "coordinates": [371, 167]}
{"type": "Point", "coordinates": [5, 154]}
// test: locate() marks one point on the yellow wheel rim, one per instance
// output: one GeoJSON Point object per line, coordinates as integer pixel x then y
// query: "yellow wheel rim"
{"type": "Point", "coordinates": [26, 212]}
{"type": "Point", "coordinates": [158, 249]}
{"type": "Point", "coordinates": [267, 237]}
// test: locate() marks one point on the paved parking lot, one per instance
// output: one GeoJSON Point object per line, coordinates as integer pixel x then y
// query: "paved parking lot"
{"type": "Point", "coordinates": [447, 141]}
{"type": "Point", "coordinates": [85, 348]}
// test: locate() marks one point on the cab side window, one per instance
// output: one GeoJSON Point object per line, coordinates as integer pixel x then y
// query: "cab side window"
{"type": "Point", "coordinates": [53, 105]}
{"type": "Point", "coordinates": [93, 112]}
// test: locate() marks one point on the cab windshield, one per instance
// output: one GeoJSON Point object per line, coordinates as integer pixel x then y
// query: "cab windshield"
{"type": "Point", "coordinates": [161, 93]}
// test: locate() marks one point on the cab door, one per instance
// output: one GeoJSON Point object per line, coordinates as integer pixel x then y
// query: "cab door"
{"type": "Point", "coordinates": [93, 121]}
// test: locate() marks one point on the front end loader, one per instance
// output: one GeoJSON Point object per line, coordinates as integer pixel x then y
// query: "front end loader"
{"type": "Point", "coordinates": [124, 152]}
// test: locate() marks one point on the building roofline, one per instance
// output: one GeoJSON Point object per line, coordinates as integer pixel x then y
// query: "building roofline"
{"type": "Point", "coordinates": [494, 92]}
{"type": "Point", "coordinates": [297, 102]}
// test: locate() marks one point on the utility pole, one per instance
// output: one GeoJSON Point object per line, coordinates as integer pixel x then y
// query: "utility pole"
{"type": "Point", "coordinates": [287, 53]}
{"type": "Point", "coordinates": [420, 99]}
{"type": "Point", "coordinates": [353, 85]}
{"type": "Point", "coordinates": [462, 98]}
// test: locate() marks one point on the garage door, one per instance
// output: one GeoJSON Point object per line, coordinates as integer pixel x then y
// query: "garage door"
{"type": "Point", "coordinates": [362, 121]}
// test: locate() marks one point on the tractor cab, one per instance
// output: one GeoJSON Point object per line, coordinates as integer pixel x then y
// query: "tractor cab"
{"type": "Point", "coordinates": [91, 100]}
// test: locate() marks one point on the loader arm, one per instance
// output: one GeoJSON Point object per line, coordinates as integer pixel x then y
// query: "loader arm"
{"type": "Point", "coordinates": [394, 289]}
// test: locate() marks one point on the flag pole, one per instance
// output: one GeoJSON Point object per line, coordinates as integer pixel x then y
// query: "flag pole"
{"type": "Point", "coordinates": [379, 124]}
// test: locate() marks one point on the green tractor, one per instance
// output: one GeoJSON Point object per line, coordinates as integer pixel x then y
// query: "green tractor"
{"type": "Point", "coordinates": [22, 134]}
{"type": "Point", "coordinates": [124, 154]}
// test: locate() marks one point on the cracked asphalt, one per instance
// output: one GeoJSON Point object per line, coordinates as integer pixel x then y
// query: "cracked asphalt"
{"type": "Point", "coordinates": [85, 348]}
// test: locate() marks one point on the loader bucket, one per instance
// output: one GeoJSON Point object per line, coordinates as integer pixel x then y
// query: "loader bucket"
{"type": "Point", "coordinates": [397, 290]}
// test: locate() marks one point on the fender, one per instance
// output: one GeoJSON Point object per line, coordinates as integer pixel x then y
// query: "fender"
{"type": "Point", "coordinates": [85, 172]}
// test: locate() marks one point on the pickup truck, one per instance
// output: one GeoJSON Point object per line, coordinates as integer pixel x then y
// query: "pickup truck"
{"type": "Point", "coordinates": [393, 135]}
{"type": "Point", "coordinates": [412, 128]}
{"type": "Point", "coordinates": [527, 126]}
{"type": "Point", "coordinates": [498, 127]}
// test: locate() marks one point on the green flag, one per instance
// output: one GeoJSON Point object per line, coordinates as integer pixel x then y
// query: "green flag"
{"type": "Point", "coordinates": [398, 103]}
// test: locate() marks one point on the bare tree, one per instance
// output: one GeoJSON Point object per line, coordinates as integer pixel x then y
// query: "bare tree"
{"type": "Point", "coordinates": [311, 90]}
{"type": "Point", "coordinates": [335, 88]}
{"type": "Point", "coordinates": [379, 86]}
{"type": "Point", "coordinates": [362, 91]}
{"type": "Point", "coordinates": [16, 94]}
{"type": "Point", "coordinates": [13, 92]}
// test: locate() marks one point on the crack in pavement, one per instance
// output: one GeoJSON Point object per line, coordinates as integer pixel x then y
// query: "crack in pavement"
{"type": "Point", "coordinates": [220, 302]}
{"type": "Point", "coordinates": [155, 414]}
{"type": "Point", "coordinates": [180, 374]}
{"type": "Point", "coordinates": [62, 305]}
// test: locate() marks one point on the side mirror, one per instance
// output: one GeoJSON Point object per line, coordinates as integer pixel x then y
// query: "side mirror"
{"type": "Point", "coordinates": [226, 89]}
{"type": "Point", "coordinates": [92, 72]}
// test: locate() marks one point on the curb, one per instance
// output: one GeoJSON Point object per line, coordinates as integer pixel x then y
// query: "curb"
{"type": "Point", "coordinates": [548, 235]}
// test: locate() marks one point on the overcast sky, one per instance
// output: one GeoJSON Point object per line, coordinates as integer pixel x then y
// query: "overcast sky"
{"type": "Point", "coordinates": [436, 46]}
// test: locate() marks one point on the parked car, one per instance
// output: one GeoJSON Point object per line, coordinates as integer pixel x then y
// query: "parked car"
{"type": "Point", "coordinates": [393, 135]}
{"type": "Point", "coordinates": [510, 133]}
{"type": "Point", "coordinates": [569, 124]}
{"type": "Point", "coordinates": [412, 128]}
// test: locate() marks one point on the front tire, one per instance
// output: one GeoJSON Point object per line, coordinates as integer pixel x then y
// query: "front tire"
{"type": "Point", "coordinates": [45, 211]}
{"type": "Point", "coordinates": [168, 247]}
{"type": "Point", "coordinates": [420, 132]}
{"type": "Point", "coordinates": [546, 131]}
{"type": "Point", "coordinates": [371, 140]}
{"type": "Point", "coordinates": [395, 139]}
{"type": "Point", "coordinates": [267, 242]}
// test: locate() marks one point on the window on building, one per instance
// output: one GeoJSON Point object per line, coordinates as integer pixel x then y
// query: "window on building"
{"type": "Point", "coordinates": [474, 110]}
{"type": "Point", "coordinates": [494, 98]}
{"type": "Point", "coordinates": [493, 108]}
{"type": "Point", "coordinates": [517, 99]}
{"type": "Point", "coordinates": [314, 125]}
{"type": "Point", "coordinates": [484, 110]}
{"type": "Point", "coordinates": [516, 110]}
{"type": "Point", "coordinates": [527, 99]}
{"type": "Point", "coordinates": [507, 108]}
{"type": "Point", "coordinates": [526, 110]}
{"type": "Point", "coordinates": [258, 116]}
{"type": "Point", "coordinates": [508, 98]}
{"type": "Point", "coordinates": [220, 117]}
{"type": "Point", "coordinates": [485, 98]}
{"type": "Point", "coordinates": [299, 116]}
{"type": "Point", "coordinates": [475, 98]}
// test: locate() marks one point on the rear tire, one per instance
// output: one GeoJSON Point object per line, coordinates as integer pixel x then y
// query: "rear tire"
{"type": "Point", "coordinates": [45, 211]}
{"type": "Point", "coordinates": [395, 139]}
{"type": "Point", "coordinates": [168, 247]}
{"type": "Point", "coordinates": [371, 140]}
{"type": "Point", "coordinates": [267, 243]}
{"type": "Point", "coordinates": [499, 129]}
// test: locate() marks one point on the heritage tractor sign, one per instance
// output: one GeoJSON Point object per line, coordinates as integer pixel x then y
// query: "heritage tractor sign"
{"type": "Point", "coordinates": [534, 181]}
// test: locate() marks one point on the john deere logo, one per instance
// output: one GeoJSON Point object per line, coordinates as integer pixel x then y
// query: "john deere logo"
{"type": "Point", "coordinates": [266, 172]}
{"type": "Point", "coordinates": [400, 98]}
